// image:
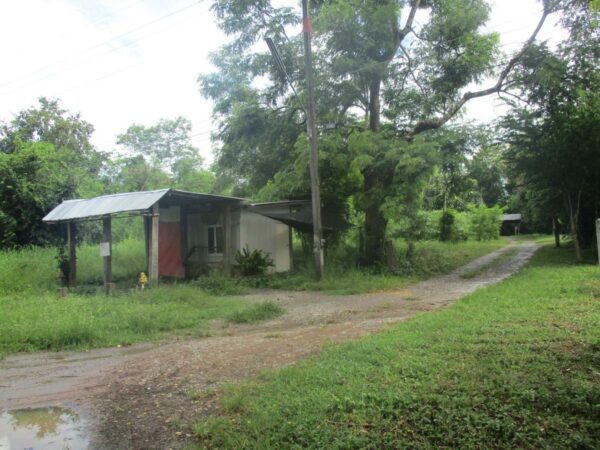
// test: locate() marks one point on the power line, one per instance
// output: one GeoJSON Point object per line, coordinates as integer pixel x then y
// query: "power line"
{"type": "Point", "coordinates": [95, 57]}
{"type": "Point", "coordinates": [102, 44]}
{"type": "Point", "coordinates": [105, 17]}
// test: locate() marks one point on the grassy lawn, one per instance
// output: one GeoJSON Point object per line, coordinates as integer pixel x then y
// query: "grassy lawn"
{"type": "Point", "coordinates": [512, 365]}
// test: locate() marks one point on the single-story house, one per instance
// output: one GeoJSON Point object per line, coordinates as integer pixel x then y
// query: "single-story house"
{"type": "Point", "coordinates": [186, 232]}
{"type": "Point", "coordinates": [511, 224]}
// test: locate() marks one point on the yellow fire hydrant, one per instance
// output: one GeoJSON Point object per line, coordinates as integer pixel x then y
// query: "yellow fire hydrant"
{"type": "Point", "coordinates": [142, 280]}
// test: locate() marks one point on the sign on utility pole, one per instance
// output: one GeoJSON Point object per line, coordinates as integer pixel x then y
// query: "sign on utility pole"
{"type": "Point", "coordinates": [312, 140]}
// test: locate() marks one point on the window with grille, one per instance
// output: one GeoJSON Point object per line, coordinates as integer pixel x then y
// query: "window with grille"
{"type": "Point", "coordinates": [215, 240]}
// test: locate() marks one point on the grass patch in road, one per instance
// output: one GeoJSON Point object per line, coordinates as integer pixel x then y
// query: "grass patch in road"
{"type": "Point", "coordinates": [256, 313]}
{"type": "Point", "coordinates": [491, 264]}
{"type": "Point", "coordinates": [32, 322]}
{"type": "Point", "coordinates": [431, 258]}
{"type": "Point", "coordinates": [516, 365]}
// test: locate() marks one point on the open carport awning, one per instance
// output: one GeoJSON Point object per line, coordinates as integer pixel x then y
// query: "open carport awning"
{"type": "Point", "coordinates": [128, 202]}
{"type": "Point", "coordinates": [302, 220]}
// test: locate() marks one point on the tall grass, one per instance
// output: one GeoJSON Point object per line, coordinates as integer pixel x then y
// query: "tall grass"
{"type": "Point", "coordinates": [510, 366]}
{"type": "Point", "coordinates": [31, 322]}
{"type": "Point", "coordinates": [35, 269]}
{"type": "Point", "coordinates": [128, 260]}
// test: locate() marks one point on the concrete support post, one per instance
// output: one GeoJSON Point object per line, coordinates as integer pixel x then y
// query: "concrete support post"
{"type": "Point", "coordinates": [153, 246]}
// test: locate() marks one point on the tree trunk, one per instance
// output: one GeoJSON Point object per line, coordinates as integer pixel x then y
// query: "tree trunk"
{"type": "Point", "coordinates": [374, 104]}
{"type": "Point", "coordinates": [573, 213]}
{"type": "Point", "coordinates": [556, 231]}
{"type": "Point", "coordinates": [374, 185]}
{"type": "Point", "coordinates": [374, 243]}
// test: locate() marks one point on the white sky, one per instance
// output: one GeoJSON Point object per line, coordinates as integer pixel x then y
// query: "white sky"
{"type": "Point", "coordinates": [119, 62]}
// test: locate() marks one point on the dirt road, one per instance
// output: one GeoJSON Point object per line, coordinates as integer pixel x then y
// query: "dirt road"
{"type": "Point", "coordinates": [145, 396]}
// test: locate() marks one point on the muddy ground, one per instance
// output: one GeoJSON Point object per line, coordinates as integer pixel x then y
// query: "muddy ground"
{"type": "Point", "coordinates": [146, 396]}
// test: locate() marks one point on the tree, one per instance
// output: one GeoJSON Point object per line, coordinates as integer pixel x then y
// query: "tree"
{"type": "Point", "coordinates": [487, 169]}
{"type": "Point", "coordinates": [554, 137]}
{"type": "Point", "coordinates": [452, 185]}
{"type": "Point", "coordinates": [45, 157]}
{"type": "Point", "coordinates": [379, 75]}
{"type": "Point", "coordinates": [34, 177]}
{"type": "Point", "coordinates": [158, 156]}
{"type": "Point", "coordinates": [161, 144]}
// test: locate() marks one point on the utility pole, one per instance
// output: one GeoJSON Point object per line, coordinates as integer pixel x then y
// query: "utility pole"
{"type": "Point", "coordinates": [312, 140]}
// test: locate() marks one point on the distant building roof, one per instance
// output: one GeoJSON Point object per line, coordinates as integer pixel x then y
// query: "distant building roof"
{"type": "Point", "coordinates": [91, 208]}
{"type": "Point", "coordinates": [511, 217]}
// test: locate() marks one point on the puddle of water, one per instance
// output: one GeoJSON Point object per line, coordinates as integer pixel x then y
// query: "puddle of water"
{"type": "Point", "coordinates": [42, 429]}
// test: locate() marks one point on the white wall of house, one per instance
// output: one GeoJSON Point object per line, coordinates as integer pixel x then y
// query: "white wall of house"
{"type": "Point", "coordinates": [247, 229]}
{"type": "Point", "coordinates": [271, 236]}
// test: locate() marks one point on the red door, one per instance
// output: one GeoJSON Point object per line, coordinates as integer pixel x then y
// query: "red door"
{"type": "Point", "coordinates": [170, 261]}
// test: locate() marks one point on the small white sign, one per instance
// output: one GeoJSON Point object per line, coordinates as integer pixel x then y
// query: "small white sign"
{"type": "Point", "coordinates": [104, 249]}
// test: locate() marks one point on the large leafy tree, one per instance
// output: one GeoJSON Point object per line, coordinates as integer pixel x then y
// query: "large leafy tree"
{"type": "Point", "coordinates": [157, 156]}
{"type": "Point", "coordinates": [554, 135]}
{"type": "Point", "coordinates": [488, 170]}
{"type": "Point", "coordinates": [384, 81]}
{"type": "Point", "coordinates": [45, 157]}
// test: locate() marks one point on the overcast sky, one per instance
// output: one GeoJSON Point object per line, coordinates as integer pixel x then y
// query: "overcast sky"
{"type": "Point", "coordinates": [119, 62]}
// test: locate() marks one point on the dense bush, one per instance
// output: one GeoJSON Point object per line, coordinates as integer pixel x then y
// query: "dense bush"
{"type": "Point", "coordinates": [485, 222]}
{"type": "Point", "coordinates": [446, 224]}
{"type": "Point", "coordinates": [253, 262]}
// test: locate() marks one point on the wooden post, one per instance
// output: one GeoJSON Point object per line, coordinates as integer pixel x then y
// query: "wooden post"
{"type": "Point", "coordinates": [153, 246]}
{"type": "Point", "coordinates": [106, 249]}
{"type": "Point", "coordinates": [598, 238]}
{"type": "Point", "coordinates": [227, 239]}
{"type": "Point", "coordinates": [71, 240]}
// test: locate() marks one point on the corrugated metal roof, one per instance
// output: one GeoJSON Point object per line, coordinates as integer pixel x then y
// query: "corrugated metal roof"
{"type": "Point", "coordinates": [507, 217]}
{"type": "Point", "coordinates": [121, 203]}
{"type": "Point", "coordinates": [105, 204]}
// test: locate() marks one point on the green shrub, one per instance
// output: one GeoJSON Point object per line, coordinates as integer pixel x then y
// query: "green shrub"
{"type": "Point", "coordinates": [461, 227]}
{"type": "Point", "coordinates": [446, 225]}
{"type": "Point", "coordinates": [454, 226]}
{"type": "Point", "coordinates": [485, 222]}
{"type": "Point", "coordinates": [253, 262]}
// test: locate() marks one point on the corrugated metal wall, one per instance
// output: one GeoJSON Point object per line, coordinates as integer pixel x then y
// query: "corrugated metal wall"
{"type": "Point", "coordinates": [259, 232]}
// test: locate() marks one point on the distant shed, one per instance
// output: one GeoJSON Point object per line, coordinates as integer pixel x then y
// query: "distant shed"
{"type": "Point", "coordinates": [185, 230]}
{"type": "Point", "coordinates": [511, 224]}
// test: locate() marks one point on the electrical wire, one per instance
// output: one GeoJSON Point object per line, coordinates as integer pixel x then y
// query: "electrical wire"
{"type": "Point", "coordinates": [97, 46]}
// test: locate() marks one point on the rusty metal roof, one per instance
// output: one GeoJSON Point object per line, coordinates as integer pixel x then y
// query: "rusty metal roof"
{"type": "Point", "coordinates": [128, 202]}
